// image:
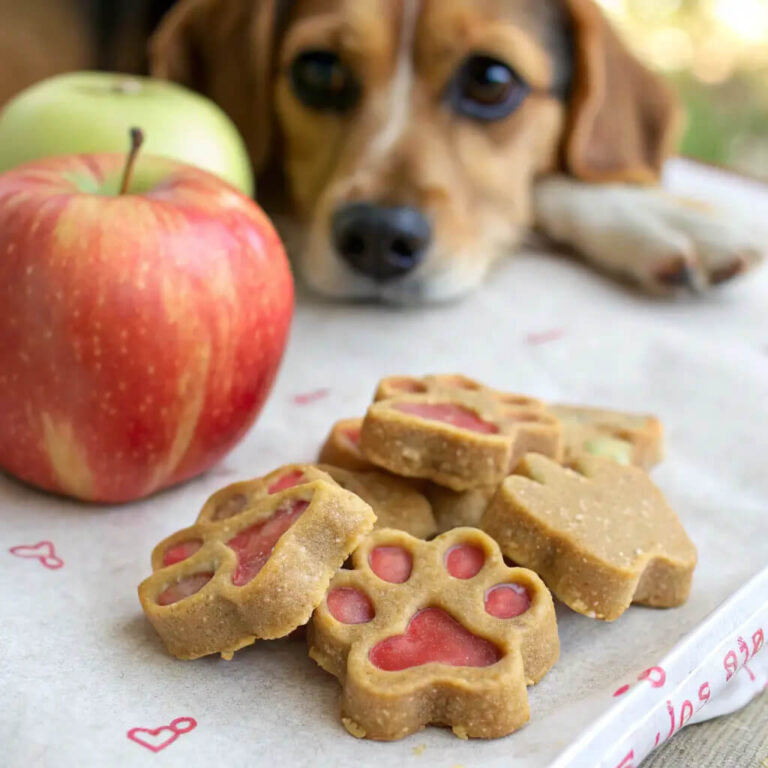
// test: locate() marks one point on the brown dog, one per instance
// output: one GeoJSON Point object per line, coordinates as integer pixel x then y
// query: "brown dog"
{"type": "Point", "coordinates": [38, 39]}
{"type": "Point", "coordinates": [412, 142]}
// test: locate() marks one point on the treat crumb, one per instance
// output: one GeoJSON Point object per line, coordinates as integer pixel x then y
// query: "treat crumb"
{"type": "Point", "coordinates": [460, 732]}
{"type": "Point", "coordinates": [354, 728]}
{"type": "Point", "coordinates": [419, 750]}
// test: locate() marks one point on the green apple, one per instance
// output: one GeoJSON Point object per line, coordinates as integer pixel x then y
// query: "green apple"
{"type": "Point", "coordinates": [91, 112]}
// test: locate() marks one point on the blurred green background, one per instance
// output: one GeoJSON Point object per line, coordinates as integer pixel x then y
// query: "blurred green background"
{"type": "Point", "coordinates": [716, 54]}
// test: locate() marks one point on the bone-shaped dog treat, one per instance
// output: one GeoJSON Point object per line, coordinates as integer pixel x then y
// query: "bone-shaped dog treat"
{"type": "Point", "coordinates": [601, 535]}
{"type": "Point", "coordinates": [342, 447]}
{"type": "Point", "coordinates": [438, 632]}
{"type": "Point", "coordinates": [257, 574]}
{"type": "Point", "coordinates": [454, 431]}
{"type": "Point", "coordinates": [396, 503]}
{"type": "Point", "coordinates": [624, 437]}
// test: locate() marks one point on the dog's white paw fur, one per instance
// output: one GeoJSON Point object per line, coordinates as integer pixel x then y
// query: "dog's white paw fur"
{"type": "Point", "coordinates": [664, 243]}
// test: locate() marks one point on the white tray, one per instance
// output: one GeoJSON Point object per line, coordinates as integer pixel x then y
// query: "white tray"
{"type": "Point", "coordinates": [82, 667]}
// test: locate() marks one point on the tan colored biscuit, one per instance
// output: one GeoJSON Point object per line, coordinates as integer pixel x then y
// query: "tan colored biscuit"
{"type": "Point", "coordinates": [239, 497]}
{"type": "Point", "coordinates": [628, 438]}
{"type": "Point", "coordinates": [396, 386]}
{"type": "Point", "coordinates": [458, 435]}
{"type": "Point", "coordinates": [624, 437]}
{"type": "Point", "coordinates": [601, 535]}
{"type": "Point", "coordinates": [342, 447]}
{"type": "Point", "coordinates": [465, 659]}
{"type": "Point", "coordinates": [394, 501]}
{"type": "Point", "coordinates": [460, 459]}
{"type": "Point", "coordinates": [459, 509]}
{"type": "Point", "coordinates": [256, 575]}
{"type": "Point", "coordinates": [537, 430]}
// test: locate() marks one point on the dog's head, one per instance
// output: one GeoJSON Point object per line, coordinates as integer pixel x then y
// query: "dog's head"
{"type": "Point", "coordinates": [410, 132]}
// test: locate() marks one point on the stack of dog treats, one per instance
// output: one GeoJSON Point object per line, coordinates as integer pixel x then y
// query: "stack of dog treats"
{"type": "Point", "coordinates": [529, 500]}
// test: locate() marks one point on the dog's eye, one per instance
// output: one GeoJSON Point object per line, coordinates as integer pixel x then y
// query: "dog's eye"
{"type": "Point", "coordinates": [322, 81]}
{"type": "Point", "coordinates": [487, 89]}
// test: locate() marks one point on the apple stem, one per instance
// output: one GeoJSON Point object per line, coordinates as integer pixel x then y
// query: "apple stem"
{"type": "Point", "coordinates": [137, 139]}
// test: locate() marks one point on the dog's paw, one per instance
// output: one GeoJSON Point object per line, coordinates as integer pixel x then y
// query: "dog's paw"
{"type": "Point", "coordinates": [665, 244]}
{"type": "Point", "coordinates": [714, 246]}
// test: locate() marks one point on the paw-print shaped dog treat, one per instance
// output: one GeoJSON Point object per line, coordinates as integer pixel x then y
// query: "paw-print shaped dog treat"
{"type": "Point", "coordinates": [342, 447]}
{"type": "Point", "coordinates": [624, 437]}
{"type": "Point", "coordinates": [454, 431]}
{"type": "Point", "coordinates": [457, 509]}
{"type": "Point", "coordinates": [256, 575]}
{"type": "Point", "coordinates": [438, 632]}
{"type": "Point", "coordinates": [238, 497]}
{"type": "Point", "coordinates": [394, 501]}
{"type": "Point", "coordinates": [601, 535]}
{"type": "Point", "coordinates": [537, 430]}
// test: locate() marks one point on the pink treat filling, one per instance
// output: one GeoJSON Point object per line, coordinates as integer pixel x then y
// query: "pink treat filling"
{"type": "Point", "coordinates": [353, 435]}
{"type": "Point", "coordinates": [254, 545]}
{"type": "Point", "coordinates": [349, 606]}
{"type": "Point", "coordinates": [393, 564]}
{"type": "Point", "coordinates": [464, 561]}
{"type": "Point", "coordinates": [290, 480]}
{"type": "Point", "coordinates": [184, 588]}
{"type": "Point", "coordinates": [179, 552]}
{"type": "Point", "coordinates": [455, 415]}
{"type": "Point", "coordinates": [434, 636]}
{"type": "Point", "coordinates": [505, 601]}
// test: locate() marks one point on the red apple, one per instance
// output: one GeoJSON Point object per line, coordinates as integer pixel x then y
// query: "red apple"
{"type": "Point", "coordinates": [140, 333]}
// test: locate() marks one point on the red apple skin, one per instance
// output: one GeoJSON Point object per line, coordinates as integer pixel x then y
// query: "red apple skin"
{"type": "Point", "coordinates": [140, 334]}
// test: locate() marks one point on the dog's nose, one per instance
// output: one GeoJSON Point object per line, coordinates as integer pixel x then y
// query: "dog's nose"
{"type": "Point", "coordinates": [380, 242]}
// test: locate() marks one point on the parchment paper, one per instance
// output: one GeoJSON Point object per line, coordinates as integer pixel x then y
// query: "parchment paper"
{"type": "Point", "coordinates": [81, 669]}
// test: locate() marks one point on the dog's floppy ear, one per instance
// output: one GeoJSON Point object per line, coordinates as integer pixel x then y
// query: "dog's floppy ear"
{"type": "Point", "coordinates": [624, 119]}
{"type": "Point", "coordinates": [224, 50]}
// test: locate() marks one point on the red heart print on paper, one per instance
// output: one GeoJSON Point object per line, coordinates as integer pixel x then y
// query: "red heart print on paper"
{"type": "Point", "coordinates": [157, 739]}
{"type": "Point", "coordinates": [43, 551]}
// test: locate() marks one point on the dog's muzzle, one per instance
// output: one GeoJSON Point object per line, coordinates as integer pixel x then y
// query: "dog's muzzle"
{"type": "Point", "coordinates": [382, 243]}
